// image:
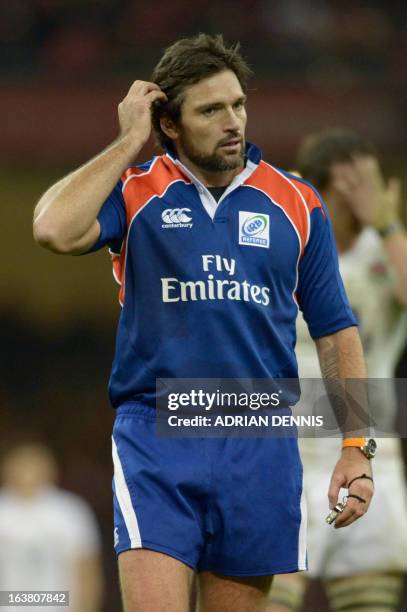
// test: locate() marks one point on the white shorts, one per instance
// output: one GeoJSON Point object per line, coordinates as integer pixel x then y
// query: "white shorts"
{"type": "Point", "coordinates": [376, 541]}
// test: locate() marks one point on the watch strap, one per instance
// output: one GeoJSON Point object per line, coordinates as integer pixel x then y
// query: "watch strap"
{"type": "Point", "coordinates": [358, 442]}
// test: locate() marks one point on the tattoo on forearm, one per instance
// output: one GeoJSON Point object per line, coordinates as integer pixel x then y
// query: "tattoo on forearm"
{"type": "Point", "coordinates": [345, 381]}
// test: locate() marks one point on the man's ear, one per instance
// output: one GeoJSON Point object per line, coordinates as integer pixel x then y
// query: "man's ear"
{"type": "Point", "coordinates": [169, 127]}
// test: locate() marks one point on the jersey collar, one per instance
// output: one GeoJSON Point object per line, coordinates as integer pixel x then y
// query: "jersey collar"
{"type": "Point", "coordinates": [253, 158]}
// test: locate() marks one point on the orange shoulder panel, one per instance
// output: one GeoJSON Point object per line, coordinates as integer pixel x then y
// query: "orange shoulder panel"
{"type": "Point", "coordinates": [311, 199]}
{"type": "Point", "coordinates": [139, 186]}
{"type": "Point", "coordinates": [296, 199]}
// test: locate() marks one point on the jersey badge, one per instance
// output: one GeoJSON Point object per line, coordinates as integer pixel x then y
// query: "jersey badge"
{"type": "Point", "coordinates": [254, 229]}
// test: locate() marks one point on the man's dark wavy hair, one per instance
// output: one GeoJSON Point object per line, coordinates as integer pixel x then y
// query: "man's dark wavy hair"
{"type": "Point", "coordinates": [320, 150]}
{"type": "Point", "coordinates": [188, 61]}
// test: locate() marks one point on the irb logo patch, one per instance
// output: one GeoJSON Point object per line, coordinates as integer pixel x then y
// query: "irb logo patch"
{"type": "Point", "coordinates": [254, 229]}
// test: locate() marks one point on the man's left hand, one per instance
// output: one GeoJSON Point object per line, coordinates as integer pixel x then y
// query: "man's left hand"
{"type": "Point", "coordinates": [352, 463]}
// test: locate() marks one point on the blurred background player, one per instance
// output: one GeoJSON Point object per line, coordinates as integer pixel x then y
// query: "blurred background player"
{"type": "Point", "coordinates": [363, 566]}
{"type": "Point", "coordinates": [49, 539]}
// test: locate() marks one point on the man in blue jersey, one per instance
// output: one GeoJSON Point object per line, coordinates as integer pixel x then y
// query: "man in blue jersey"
{"type": "Point", "coordinates": [214, 250]}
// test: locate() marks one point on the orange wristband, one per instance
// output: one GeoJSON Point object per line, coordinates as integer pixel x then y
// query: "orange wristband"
{"type": "Point", "coordinates": [358, 442]}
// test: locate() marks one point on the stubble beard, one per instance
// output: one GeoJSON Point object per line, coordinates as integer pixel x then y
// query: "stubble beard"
{"type": "Point", "coordinates": [213, 162]}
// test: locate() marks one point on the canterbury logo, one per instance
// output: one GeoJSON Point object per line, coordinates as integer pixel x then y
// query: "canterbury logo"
{"type": "Point", "coordinates": [176, 217]}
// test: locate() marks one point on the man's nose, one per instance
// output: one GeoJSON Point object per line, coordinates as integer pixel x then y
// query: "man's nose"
{"type": "Point", "coordinates": [232, 121]}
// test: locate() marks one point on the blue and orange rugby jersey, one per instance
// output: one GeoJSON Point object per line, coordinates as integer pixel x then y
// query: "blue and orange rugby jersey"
{"type": "Point", "coordinates": [211, 289]}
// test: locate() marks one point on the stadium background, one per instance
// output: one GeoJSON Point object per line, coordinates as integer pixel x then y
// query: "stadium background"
{"type": "Point", "coordinates": [64, 67]}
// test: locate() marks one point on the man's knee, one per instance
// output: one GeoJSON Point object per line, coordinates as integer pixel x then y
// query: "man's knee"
{"type": "Point", "coordinates": [153, 581]}
{"type": "Point", "coordinates": [218, 593]}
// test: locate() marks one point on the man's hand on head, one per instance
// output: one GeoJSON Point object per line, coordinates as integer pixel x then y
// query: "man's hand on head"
{"type": "Point", "coordinates": [135, 111]}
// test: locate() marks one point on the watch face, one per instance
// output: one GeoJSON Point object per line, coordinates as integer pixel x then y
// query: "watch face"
{"type": "Point", "coordinates": [370, 448]}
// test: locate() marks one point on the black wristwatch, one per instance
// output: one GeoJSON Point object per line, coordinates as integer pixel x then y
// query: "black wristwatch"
{"type": "Point", "coordinates": [369, 449]}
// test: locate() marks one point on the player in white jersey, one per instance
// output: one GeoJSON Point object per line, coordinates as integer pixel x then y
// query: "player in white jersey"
{"type": "Point", "coordinates": [49, 540]}
{"type": "Point", "coordinates": [362, 567]}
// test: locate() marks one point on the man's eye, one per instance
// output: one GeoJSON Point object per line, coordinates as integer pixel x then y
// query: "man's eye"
{"type": "Point", "coordinates": [239, 105]}
{"type": "Point", "coordinates": [209, 111]}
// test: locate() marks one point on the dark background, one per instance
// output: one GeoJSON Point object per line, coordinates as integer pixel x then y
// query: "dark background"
{"type": "Point", "coordinates": [64, 67]}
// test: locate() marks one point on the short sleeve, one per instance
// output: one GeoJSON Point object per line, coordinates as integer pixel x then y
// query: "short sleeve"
{"type": "Point", "coordinates": [112, 219]}
{"type": "Point", "coordinates": [320, 293]}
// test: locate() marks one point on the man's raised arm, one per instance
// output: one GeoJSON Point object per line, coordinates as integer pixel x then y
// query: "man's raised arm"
{"type": "Point", "coordinates": [65, 218]}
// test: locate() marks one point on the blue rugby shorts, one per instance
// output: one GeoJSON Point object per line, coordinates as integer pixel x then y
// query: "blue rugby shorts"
{"type": "Point", "coordinates": [234, 506]}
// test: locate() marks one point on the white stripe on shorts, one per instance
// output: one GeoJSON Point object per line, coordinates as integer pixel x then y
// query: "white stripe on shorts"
{"type": "Point", "coordinates": [302, 536]}
{"type": "Point", "coordinates": [124, 499]}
